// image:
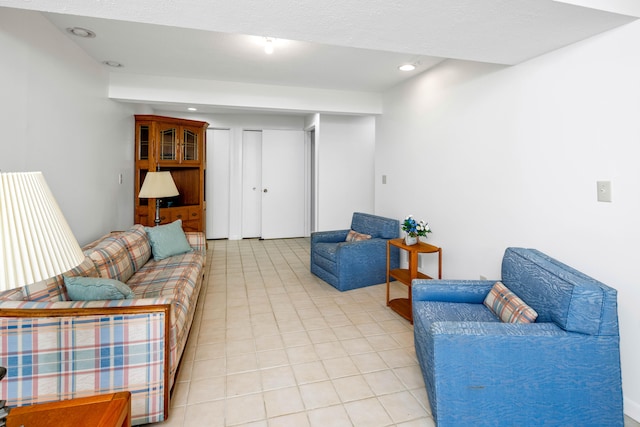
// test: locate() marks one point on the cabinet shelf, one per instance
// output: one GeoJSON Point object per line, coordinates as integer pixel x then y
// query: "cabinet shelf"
{"type": "Point", "coordinates": [403, 275]}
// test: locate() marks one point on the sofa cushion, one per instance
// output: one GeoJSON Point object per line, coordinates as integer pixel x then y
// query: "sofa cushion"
{"type": "Point", "coordinates": [96, 289]}
{"type": "Point", "coordinates": [138, 247]}
{"type": "Point", "coordinates": [507, 306]}
{"type": "Point", "coordinates": [45, 290]}
{"type": "Point", "coordinates": [112, 260]}
{"type": "Point", "coordinates": [354, 236]}
{"type": "Point", "coordinates": [12, 295]}
{"type": "Point", "coordinates": [168, 240]}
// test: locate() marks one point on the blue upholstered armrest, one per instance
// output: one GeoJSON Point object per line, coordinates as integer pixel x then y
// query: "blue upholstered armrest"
{"type": "Point", "coordinates": [465, 291]}
{"type": "Point", "coordinates": [333, 236]}
{"type": "Point", "coordinates": [498, 329]}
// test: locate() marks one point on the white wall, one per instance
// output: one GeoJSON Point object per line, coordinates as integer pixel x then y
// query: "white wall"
{"type": "Point", "coordinates": [495, 157]}
{"type": "Point", "coordinates": [56, 118]}
{"type": "Point", "coordinates": [345, 159]}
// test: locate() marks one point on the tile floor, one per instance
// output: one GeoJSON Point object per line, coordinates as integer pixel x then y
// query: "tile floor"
{"type": "Point", "coordinates": [273, 345]}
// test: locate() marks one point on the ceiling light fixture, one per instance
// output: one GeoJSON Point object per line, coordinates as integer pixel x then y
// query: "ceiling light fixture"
{"type": "Point", "coordinates": [81, 32]}
{"type": "Point", "coordinates": [268, 45]}
{"type": "Point", "coordinates": [114, 64]}
{"type": "Point", "coordinates": [407, 67]}
{"type": "Point", "coordinates": [192, 109]}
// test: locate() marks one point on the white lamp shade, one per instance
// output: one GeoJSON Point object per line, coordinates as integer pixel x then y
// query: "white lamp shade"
{"type": "Point", "coordinates": [158, 184]}
{"type": "Point", "coordinates": [36, 243]}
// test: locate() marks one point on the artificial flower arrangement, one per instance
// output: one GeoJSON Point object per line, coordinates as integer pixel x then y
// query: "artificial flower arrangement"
{"type": "Point", "coordinates": [414, 228]}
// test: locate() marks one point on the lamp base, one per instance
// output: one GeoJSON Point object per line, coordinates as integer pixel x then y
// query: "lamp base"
{"type": "Point", "coordinates": [157, 220]}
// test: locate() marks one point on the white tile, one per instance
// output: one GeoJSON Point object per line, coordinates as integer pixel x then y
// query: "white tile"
{"type": "Point", "coordinates": [206, 389]}
{"type": "Point", "coordinates": [402, 406]}
{"type": "Point", "coordinates": [318, 395]}
{"type": "Point", "coordinates": [283, 401]}
{"type": "Point", "coordinates": [368, 412]}
{"type": "Point", "coordinates": [334, 416]}
{"type": "Point", "coordinates": [205, 414]}
{"type": "Point", "coordinates": [244, 409]}
{"type": "Point", "coordinates": [278, 377]}
{"type": "Point", "coordinates": [310, 372]}
{"type": "Point", "coordinates": [243, 383]}
{"type": "Point", "coordinates": [273, 345]}
{"type": "Point", "coordinates": [352, 388]}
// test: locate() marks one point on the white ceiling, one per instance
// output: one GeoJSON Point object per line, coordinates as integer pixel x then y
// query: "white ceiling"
{"type": "Point", "coordinates": [332, 44]}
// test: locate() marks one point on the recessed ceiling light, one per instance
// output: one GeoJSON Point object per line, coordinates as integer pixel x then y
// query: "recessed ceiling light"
{"type": "Point", "coordinates": [81, 32]}
{"type": "Point", "coordinates": [407, 67]}
{"type": "Point", "coordinates": [268, 45]}
{"type": "Point", "coordinates": [192, 109]}
{"type": "Point", "coordinates": [114, 64]}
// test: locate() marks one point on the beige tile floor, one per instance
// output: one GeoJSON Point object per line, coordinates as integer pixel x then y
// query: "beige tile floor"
{"type": "Point", "coordinates": [273, 345]}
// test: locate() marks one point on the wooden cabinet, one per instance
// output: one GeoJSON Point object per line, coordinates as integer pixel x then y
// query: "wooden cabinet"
{"type": "Point", "coordinates": [178, 146]}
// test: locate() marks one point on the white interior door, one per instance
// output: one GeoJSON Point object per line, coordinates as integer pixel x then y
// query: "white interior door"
{"type": "Point", "coordinates": [217, 183]}
{"type": "Point", "coordinates": [283, 184]}
{"type": "Point", "coordinates": [251, 183]}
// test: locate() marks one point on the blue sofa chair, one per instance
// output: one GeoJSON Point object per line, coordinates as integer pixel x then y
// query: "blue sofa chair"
{"type": "Point", "coordinates": [562, 370]}
{"type": "Point", "coordinates": [350, 265]}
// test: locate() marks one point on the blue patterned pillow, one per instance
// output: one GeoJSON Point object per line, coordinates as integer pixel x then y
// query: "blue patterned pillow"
{"type": "Point", "coordinates": [168, 240]}
{"type": "Point", "coordinates": [508, 306]}
{"type": "Point", "coordinates": [96, 289]}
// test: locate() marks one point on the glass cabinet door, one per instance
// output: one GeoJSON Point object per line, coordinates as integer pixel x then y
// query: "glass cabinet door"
{"type": "Point", "coordinates": [143, 142]}
{"type": "Point", "coordinates": [168, 143]}
{"type": "Point", "coordinates": [190, 145]}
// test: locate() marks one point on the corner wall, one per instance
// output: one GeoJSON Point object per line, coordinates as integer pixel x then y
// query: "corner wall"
{"type": "Point", "coordinates": [345, 166]}
{"type": "Point", "coordinates": [56, 118]}
{"type": "Point", "coordinates": [495, 157]}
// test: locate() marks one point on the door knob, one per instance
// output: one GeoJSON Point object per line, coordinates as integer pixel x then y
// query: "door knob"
{"type": "Point", "coordinates": [265, 191]}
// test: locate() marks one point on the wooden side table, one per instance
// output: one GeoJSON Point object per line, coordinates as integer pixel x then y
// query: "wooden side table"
{"type": "Point", "coordinates": [402, 306]}
{"type": "Point", "coordinates": [104, 410]}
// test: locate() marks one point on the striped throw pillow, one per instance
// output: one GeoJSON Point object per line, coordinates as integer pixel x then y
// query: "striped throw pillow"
{"type": "Point", "coordinates": [354, 236]}
{"type": "Point", "coordinates": [507, 306]}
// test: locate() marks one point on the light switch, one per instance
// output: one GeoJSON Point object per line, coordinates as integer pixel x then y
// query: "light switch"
{"type": "Point", "coordinates": [604, 191]}
{"type": "Point", "coordinates": [384, 179]}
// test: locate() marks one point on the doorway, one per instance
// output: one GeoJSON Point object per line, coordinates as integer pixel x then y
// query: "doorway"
{"type": "Point", "coordinates": [274, 191]}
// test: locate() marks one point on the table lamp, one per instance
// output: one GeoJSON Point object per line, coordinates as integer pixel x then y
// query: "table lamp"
{"type": "Point", "coordinates": [36, 243]}
{"type": "Point", "coordinates": [157, 185]}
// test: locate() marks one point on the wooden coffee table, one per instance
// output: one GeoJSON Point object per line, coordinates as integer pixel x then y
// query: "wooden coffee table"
{"type": "Point", "coordinates": [104, 410]}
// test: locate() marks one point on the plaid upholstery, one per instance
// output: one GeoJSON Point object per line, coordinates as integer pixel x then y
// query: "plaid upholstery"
{"type": "Point", "coordinates": [12, 295]}
{"type": "Point", "coordinates": [354, 236]}
{"type": "Point", "coordinates": [112, 260]}
{"type": "Point", "coordinates": [84, 355]}
{"type": "Point", "coordinates": [507, 306]}
{"type": "Point", "coordinates": [47, 290]}
{"type": "Point", "coordinates": [106, 348]}
{"type": "Point", "coordinates": [197, 241]}
{"type": "Point", "coordinates": [177, 278]}
{"type": "Point", "coordinates": [137, 244]}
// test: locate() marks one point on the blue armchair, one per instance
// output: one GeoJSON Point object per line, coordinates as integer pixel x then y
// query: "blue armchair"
{"type": "Point", "coordinates": [562, 370]}
{"type": "Point", "coordinates": [350, 265]}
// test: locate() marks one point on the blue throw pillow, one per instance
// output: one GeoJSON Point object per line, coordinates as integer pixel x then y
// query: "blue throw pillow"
{"type": "Point", "coordinates": [96, 289]}
{"type": "Point", "coordinates": [168, 240]}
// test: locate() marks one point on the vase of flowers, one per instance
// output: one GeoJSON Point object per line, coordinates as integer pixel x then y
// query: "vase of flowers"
{"type": "Point", "coordinates": [414, 229]}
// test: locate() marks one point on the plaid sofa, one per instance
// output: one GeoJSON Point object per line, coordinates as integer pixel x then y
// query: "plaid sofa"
{"type": "Point", "coordinates": [56, 349]}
